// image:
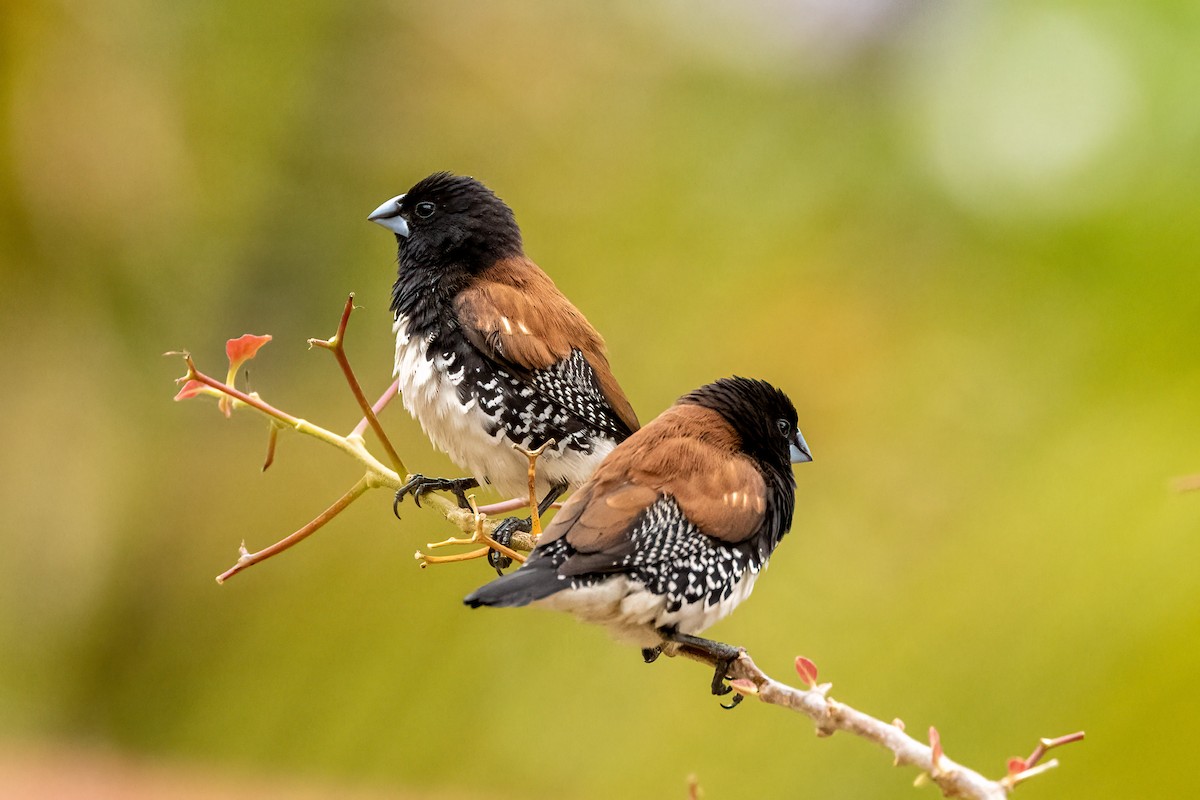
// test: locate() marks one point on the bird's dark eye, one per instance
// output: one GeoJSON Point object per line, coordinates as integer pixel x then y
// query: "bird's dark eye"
{"type": "Point", "coordinates": [785, 427]}
{"type": "Point", "coordinates": [425, 209]}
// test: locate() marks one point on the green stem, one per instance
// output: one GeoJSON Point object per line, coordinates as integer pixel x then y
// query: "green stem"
{"type": "Point", "coordinates": [379, 474]}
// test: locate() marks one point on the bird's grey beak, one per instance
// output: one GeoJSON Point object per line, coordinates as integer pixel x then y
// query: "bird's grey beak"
{"type": "Point", "coordinates": [388, 215]}
{"type": "Point", "coordinates": [799, 449]}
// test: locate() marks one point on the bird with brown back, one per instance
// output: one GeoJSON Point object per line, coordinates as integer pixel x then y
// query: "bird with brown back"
{"type": "Point", "coordinates": [673, 529]}
{"type": "Point", "coordinates": [490, 354]}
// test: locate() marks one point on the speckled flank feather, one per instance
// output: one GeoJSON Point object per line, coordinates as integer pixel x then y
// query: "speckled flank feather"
{"type": "Point", "coordinates": [475, 414]}
{"type": "Point", "coordinates": [674, 576]}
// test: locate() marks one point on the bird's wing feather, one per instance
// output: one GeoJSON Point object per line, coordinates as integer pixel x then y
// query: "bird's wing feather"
{"type": "Point", "coordinates": [595, 519]}
{"type": "Point", "coordinates": [517, 317]}
{"type": "Point", "coordinates": [718, 490]}
{"type": "Point", "coordinates": [722, 494]}
{"type": "Point", "coordinates": [512, 329]}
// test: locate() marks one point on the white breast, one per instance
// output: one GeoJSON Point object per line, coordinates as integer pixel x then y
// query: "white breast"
{"type": "Point", "coordinates": [429, 389]}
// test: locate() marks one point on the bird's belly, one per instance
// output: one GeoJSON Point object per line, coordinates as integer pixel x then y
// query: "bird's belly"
{"type": "Point", "coordinates": [633, 614]}
{"type": "Point", "coordinates": [473, 438]}
{"type": "Point", "coordinates": [696, 617]}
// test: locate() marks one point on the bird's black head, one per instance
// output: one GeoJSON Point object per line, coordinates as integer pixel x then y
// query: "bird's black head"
{"type": "Point", "coordinates": [763, 417]}
{"type": "Point", "coordinates": [451, 225]}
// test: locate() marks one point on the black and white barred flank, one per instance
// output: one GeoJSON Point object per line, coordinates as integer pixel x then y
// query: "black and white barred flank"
{"type": "Point", "coordinates": [672, 576]}
{"type": "Point", "coordinates": [475, 410]}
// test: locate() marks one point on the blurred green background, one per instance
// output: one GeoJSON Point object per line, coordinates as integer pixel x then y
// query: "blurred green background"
{"type": "Point", "coordinates": [964, 237]}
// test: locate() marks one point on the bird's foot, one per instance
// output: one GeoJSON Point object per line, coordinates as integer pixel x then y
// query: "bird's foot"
{"type": "Point", "coordinates": [419, 485]}
{"type": "Point", "coordinates": [503, 533]}
{"type": "Point", "coordinates": [651, 654]}
{"type": "Point", "coordinates": [722, 688]}
{"type": "Point", "coordinates": [720, 655]}
{"type": "Point", "coordinates": [728, 655]}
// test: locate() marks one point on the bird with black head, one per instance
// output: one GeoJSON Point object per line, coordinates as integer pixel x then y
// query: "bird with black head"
{"type": "Point", "coordinates": [490, 354]}
{"type": "Point", "coordinates": [673, 529]}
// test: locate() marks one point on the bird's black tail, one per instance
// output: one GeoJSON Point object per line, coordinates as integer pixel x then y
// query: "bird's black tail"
{"type": "Point", "coordinates": [530, 582]}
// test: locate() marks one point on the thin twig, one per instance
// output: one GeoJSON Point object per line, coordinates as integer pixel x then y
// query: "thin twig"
{"type": "Point", "coordinates": [380, 476]}
{"type": "Point", "coordinates": [480, 534]}
{"type": "Point", "coordinates": [388, 396]}
{"type": "Point", "coordinates": [254, 401]}
{"type": "Point", "coordinates": [1049, 744]}
{"type": "Point", "coordinates": [337, 346]}
{"type": "Point", "coordinates": [272, 440]}
{"type": "Point", "coordinates": [535, 519]}
{"type": "Point", "coordinates": [250, 559]}
{"type": "Point", "coordinates": [1022, 769]}
{"type": "Point", "coordinates": [504, 506]}
{"type": "Point", "coordinates": [425, 560]}
{"type": "Point", "coordinates": [830, 716]}
{"type": "Point", "coordinates": [377, 474]}
{"type": "Point", "coordinates": [506, 550]}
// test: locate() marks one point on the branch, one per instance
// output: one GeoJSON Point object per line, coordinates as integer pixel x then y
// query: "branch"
{"type": "Point", "coordinates": [380, 404]}
{"type": "Point", "coordinates": [481, 535]}
{"type": "Point", "coordinates": [830, 716]}
{"type": "Point", "coordinates": [337, 346]}
{"type": "Point", "coordinates": [377, 475]}
{"type": "Point", "coordinates": [351, 445]}
{"type": "Point", "coordinates": [248, 559]}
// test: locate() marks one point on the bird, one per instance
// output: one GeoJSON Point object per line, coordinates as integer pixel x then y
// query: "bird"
{"type": "Point", "coordinates": [490, 355]}
{"type": "Point", "coordinates": [672, 530]}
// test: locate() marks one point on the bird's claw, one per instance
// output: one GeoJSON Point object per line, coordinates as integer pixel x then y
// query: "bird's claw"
{"type": "Point", "coordinates": [733, 703]}
{"type": "Point", "coordinates": [720, 687]}
{"type": "Point", "coordinates": [651, 654]}
{"type": "Point", "coordinates": [503, 533]}
{"type": "Point", "coordinates": [722, 658]}
{"type": "Point", "coordinates": [419, 485]}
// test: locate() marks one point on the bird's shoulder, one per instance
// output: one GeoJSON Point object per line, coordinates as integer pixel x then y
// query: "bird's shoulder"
{"type": "Point", "coordinates": [515, 315]}
{"type": "Point", "coordinates": [513, 311]}
{"type": "Point", "coordinates": [690, 454]}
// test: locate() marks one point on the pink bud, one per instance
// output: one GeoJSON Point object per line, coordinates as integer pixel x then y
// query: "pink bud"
{"type": "Point", "coordinates": [935, 743]}
{"type": "Point", "coordinates": [807, 670]}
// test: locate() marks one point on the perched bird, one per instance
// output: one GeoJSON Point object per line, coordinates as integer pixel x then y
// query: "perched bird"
{"type": "Point", "coordinates": [490, 354]}
{"type": "Point", "coordinates": [672, 530]}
